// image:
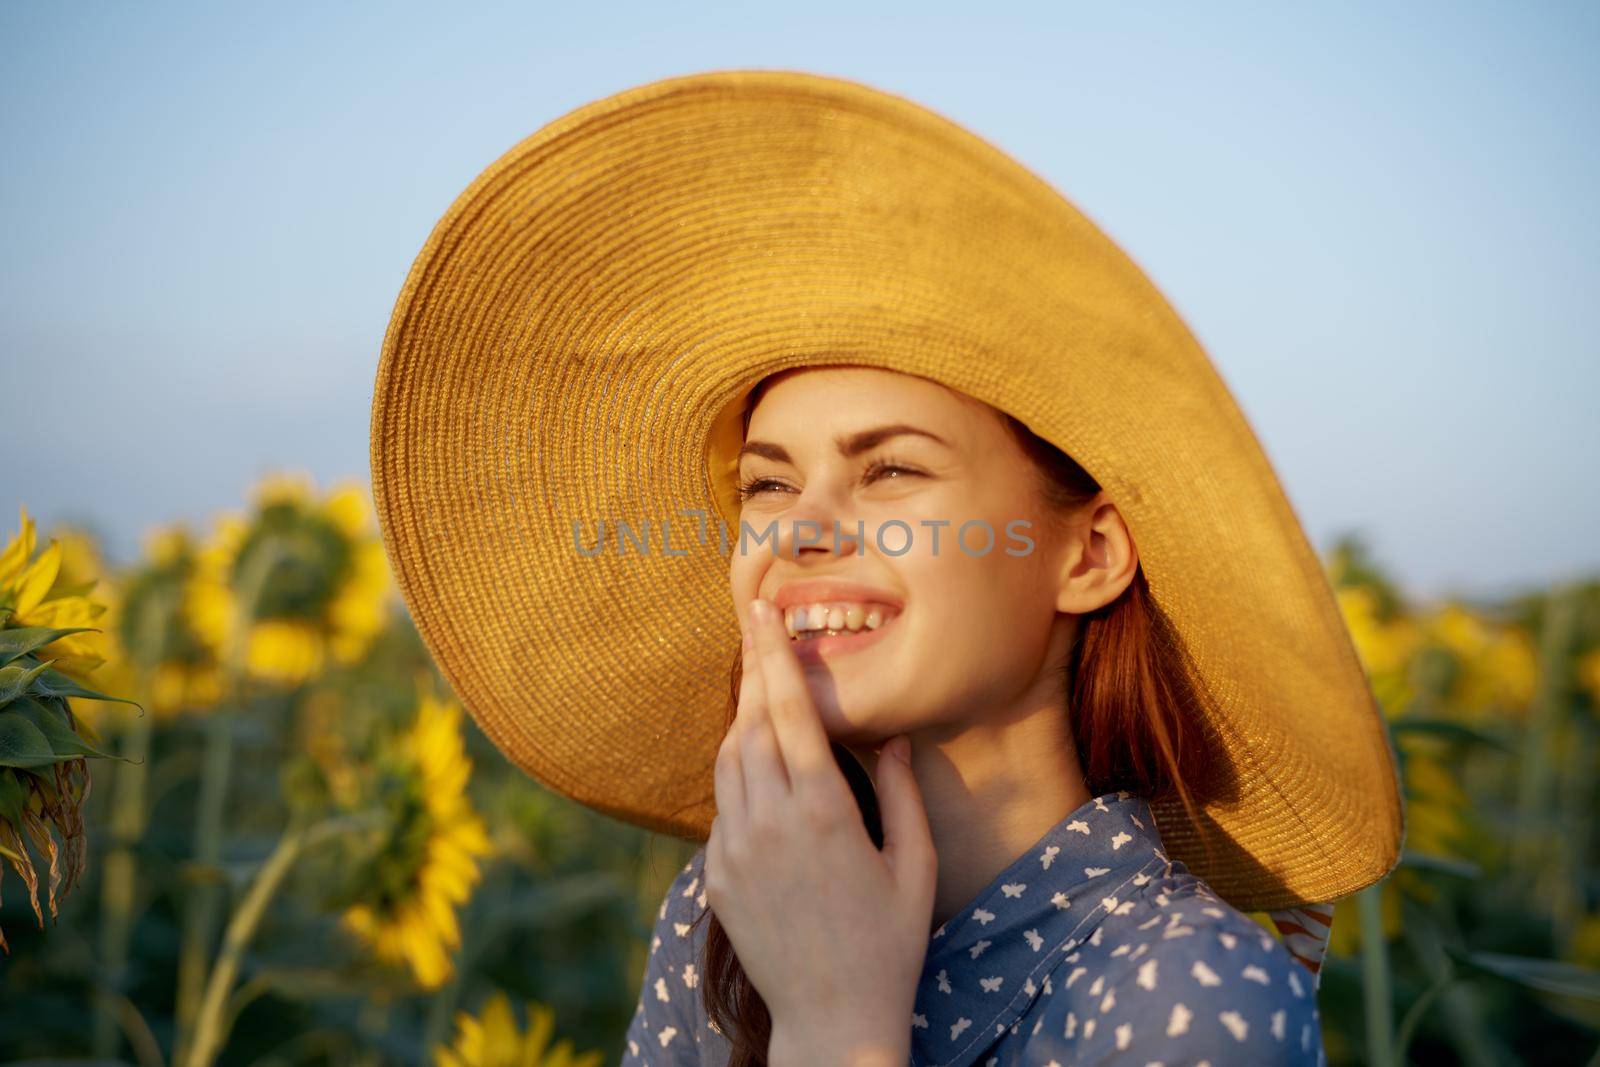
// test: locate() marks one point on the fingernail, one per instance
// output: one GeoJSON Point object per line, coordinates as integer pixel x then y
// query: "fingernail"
{"type": "Point", "coordinates": [758, 610]}
{"type": "Point", "coordinates": [902, 749]}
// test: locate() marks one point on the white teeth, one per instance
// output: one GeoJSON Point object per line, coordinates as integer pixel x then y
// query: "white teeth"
{"type": "Point", "coordinates": [813, 620]}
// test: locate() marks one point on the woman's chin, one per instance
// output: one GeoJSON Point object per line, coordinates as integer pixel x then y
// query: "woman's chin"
{"type": "Point", "coordinates": [853, 729]}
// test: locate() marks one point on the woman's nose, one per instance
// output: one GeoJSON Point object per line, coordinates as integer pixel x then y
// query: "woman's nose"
{"type": "Point", "coordinates": [819, 525]}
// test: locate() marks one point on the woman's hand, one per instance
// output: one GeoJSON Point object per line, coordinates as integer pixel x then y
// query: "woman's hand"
{"type": "Point", "coordinates": [832, 931]}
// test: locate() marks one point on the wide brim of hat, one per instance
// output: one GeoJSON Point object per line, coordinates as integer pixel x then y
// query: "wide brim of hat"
{"type": "Point", "coordinates": [574, 343]}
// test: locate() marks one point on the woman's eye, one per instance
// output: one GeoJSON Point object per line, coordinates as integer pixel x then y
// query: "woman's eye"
{"type": "Point", "coordinates": [751, 487]}
{"type": "Point", "coordinates": [881, 469]}
{"type": "Point", "coordinates": [875, 472]}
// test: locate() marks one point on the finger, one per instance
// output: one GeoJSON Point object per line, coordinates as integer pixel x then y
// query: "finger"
{"type": "Point", "coordinates": [766, 780]}
{"type": "Point", "coordinates": [752, 688]}
{"type": "Point", "coordinates": [907, 840]}
{"type": "Point", "coordinates": [767, 788]}
{"type": "Point", "coordinates": [801, 739]}
{"type": "Point", "coordinates": [731, 779]}
{"type": "Point", "coordinates": [728, 776]}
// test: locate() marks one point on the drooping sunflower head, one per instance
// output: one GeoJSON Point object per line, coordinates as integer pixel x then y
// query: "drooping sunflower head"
{"type": "Point", "coordinates": [405, 882]}
{"type": "Point", "coordinates": [44, 750]}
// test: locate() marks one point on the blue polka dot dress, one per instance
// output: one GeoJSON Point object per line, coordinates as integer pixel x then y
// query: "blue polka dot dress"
{"type": "Point", "coordinates": [1093, 947]}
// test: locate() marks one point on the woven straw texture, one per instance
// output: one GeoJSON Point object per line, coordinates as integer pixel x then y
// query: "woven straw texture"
{"type": "Point", "coordinates": [574, 344]}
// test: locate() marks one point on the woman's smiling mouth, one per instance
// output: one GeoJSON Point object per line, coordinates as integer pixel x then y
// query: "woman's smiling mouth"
{"type": "Point", "coordinates": [827, 642]}
{"type": "Point", "coordinates": [828, 617]}
{"type": "Point", "coordinates": [809, 621]}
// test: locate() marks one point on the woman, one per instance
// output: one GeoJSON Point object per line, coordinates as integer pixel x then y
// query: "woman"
{"type": "Point", "coordinates": [1162, 970]}
{"type": "Point", "coordinates": [709, 344]}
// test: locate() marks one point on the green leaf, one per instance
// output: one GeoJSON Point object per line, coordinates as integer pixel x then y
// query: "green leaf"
{"type": "Point", "coordinates": [16, 677]}
{"type": "Point", "coordinates": [12, 797]}
{"type": "Point", "coordinates": [24, 639]}
{"type": "Point", "coordinates": [52, 723]}
{"type": "Point", "coordinates": [21, 743]}
{"type": "Point", "coordinates": [1549, 976]}
{"type": "Point", "coordinates": [53, 683]}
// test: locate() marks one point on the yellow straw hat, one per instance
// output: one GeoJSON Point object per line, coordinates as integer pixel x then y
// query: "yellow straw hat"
{"type": "Point", "coordinates": [574, 346]}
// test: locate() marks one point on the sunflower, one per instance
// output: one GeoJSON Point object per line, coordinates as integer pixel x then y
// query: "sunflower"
{"type": "Point", "coordinates": [1491, 669]}
{"type": "Point", "coordinates": [44, 751]}
{"type": "Point", "coordinates": [1448, 661]}
{"type": "Point", "coordinates": [424, 864]}
{"type": "Point", "coordinates": [494, 1040]}
{"type": "Point", "coordinates": [150, 637]}
{"type": "Point", "coordinates": [82, 568]}
{"type": "Point", "coordinates": [40, 592]}
{"type": "Point", "coordinates": [300, 581]}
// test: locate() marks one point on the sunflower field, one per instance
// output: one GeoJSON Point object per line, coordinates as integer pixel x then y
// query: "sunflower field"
{"type": "Point", "coordinates": [244, 821]}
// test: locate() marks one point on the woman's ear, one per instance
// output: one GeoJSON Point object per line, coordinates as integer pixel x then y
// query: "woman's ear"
{"type": "Point", "coordinates": [1097, 558]}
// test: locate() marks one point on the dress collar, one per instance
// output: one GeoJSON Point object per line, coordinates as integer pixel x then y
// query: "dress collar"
{"type": "Point", "coordinates": [988, 962]}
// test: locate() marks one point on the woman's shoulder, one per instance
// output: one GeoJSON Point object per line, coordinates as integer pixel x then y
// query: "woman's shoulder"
{"type": "Point", "coordinates": [1172, 970]}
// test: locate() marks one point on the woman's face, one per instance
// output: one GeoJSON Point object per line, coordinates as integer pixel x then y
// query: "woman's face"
{"type": "Point", "coordinates": [961, 632]}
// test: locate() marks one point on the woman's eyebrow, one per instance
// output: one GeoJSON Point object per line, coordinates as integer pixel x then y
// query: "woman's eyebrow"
{"type": "Point", "coordinates": [849, 445]}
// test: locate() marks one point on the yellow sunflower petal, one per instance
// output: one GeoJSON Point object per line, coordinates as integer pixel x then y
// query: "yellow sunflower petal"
{"type": "Point", "coordinates": [37, 580]}
{"type": "Point", "coordinates": [18, 551]}
{"type": "Point", "coordinates": [499, 1023]}
{"type": "Point", "coordinates": [347, 507]}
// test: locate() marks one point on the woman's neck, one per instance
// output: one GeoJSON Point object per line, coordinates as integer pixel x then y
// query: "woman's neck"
{"type": "Point", "coordinates": [991, 790]}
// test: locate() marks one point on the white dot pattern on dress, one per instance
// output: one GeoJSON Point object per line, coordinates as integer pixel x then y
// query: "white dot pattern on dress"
{"type": "Point", "coordinates": [1092, 947]}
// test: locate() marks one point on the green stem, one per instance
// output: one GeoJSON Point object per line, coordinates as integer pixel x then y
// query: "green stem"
{"type": "Point", "coordinates": [1413, 1017]}
{"type": "Point", "coordinates": [1379, 1007]}
{"type": "Point", "coordinates": [206, 900]}
{"type": "Point", "coordinates": [119, 884]}
{"type": "Point", "coordinates": [135, 1029]}
{"type": "Point", "coordinates": [213, 1020]}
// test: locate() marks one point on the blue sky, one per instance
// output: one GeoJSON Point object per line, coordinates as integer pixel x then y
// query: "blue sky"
{"type": "Point", "coordinates": [1380, 220]}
